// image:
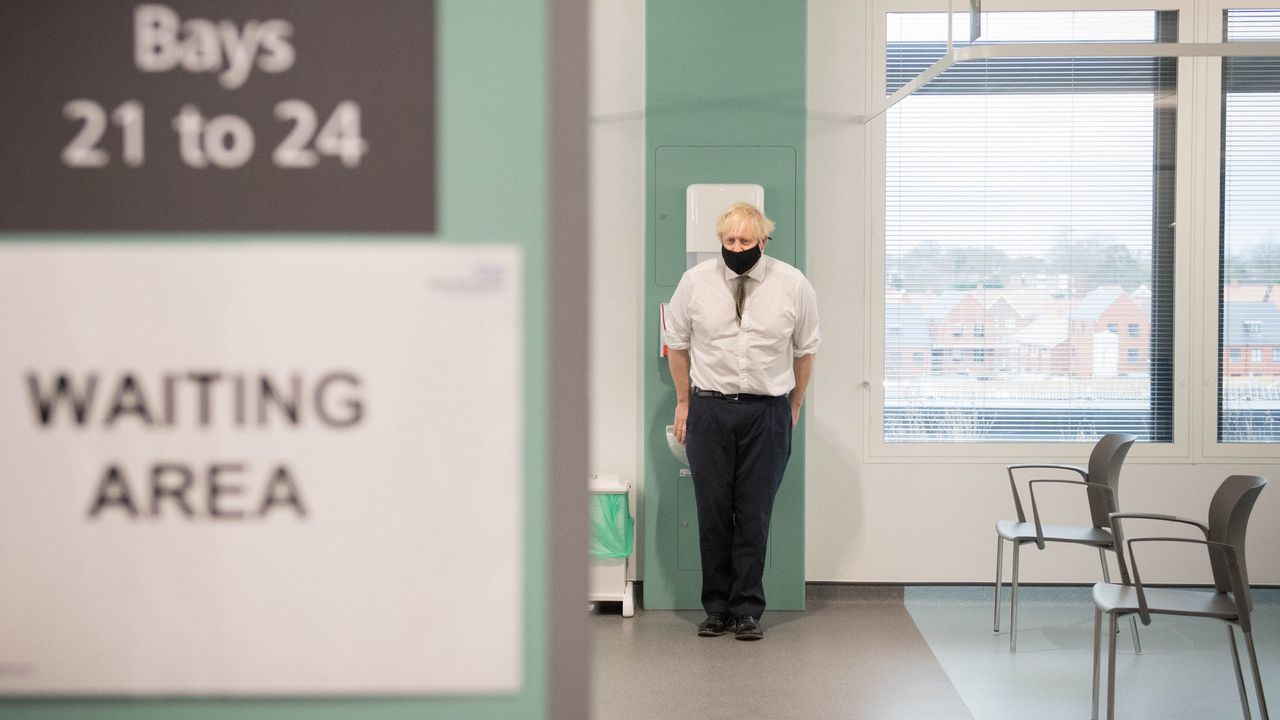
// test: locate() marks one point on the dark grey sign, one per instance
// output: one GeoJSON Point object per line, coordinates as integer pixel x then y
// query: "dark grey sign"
{"type": "Point", "coordinates": [226, 115]}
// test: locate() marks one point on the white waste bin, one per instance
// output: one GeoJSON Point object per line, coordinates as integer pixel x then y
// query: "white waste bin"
{"type": "Point", "coordinates": [608, 575]}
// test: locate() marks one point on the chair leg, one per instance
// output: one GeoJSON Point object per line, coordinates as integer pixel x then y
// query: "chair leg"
{"type": "Point", "coordinates": [1133, 620]}
{"type": "Point", "coordinates": [1257, 677]}
{"type": "Point", "coordinates": [1111, 666]}
{"type": "Point", "coordinates": [995, 625]}
{"type": "Point", "coordinates": [1133, 630]}
{"type": "Point", "coordinates": [1235, 661]}
{"type": "Point", "coordinates": [1097, 659]}
{"type": "Point", "coordinates": [1013, 601]}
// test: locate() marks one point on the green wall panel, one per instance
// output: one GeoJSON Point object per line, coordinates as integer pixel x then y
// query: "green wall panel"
{"type": "Point", "coordinates": [725, 103]}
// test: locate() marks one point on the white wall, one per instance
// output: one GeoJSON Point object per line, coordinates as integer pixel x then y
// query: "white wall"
{"type": "Point", "coordinates": [933, 521]}
{"type": "Point", "coordinates": [867, 521]}
{"type": "Point", "coordinates": [617, 234]}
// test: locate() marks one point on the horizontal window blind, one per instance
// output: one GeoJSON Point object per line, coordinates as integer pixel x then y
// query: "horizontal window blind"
{"type": "Point", "coordinates": [1249, 307]}
{"type": "Point", "coordinates": [1029, 235]}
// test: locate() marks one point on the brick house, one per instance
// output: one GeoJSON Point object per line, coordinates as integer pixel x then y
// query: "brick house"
{"type": "Point", "coordinates": [1109, 311]}
{"type": "Point", "coordinates": [1250, 339]}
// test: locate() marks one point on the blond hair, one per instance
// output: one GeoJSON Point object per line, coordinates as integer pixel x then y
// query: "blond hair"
{"type": "Point", "coordinates": [744, 220]}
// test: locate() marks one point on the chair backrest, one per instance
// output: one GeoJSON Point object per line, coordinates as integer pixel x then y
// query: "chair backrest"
{"type": "Point", "coordinates": [1228, 522]}
{"type": "Point", "coordinates": [1104, 469]}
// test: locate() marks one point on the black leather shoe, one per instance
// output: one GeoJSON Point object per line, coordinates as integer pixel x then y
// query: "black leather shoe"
{"type": "Point", "coordinates": [748, 628]}
{"type": "Point", "coordinates": [714, 626]}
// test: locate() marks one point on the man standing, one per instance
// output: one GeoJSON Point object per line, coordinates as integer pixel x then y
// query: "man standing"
{"type": "Point", "coordinates": [742, 331]}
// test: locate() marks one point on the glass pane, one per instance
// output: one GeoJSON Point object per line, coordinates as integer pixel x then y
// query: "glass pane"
{"type": "Point", "coordinates": [1028, 289]}
{"type": "Point", "coordinates": [1249, 326]}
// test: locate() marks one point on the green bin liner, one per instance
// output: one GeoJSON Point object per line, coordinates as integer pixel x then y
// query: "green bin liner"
{"type": "Point", "coordinates": [612, 527]}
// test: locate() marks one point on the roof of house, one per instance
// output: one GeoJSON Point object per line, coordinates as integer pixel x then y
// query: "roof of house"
{"type": "Point", "coordinates": [945, 303]}
{"type": "Point", "coordinates": [1097, 302]}
{"type": "Point", "coordinates": [905, 325]}
{"type": "Point", "coordinates": [1246, 293]}
{"type": "Point", "coordinates": [1236, 315]}
{"type": "Point", "coordinates": [999, 299]}
{"type": "Point", "coordinates": [1029, 302]}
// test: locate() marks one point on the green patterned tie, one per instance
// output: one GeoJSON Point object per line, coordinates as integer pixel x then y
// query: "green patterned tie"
{"type": "Point", "coordinates": [740, 298]}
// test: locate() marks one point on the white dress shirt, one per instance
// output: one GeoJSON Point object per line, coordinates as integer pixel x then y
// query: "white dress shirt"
{"type": "Point", "coordinates": [779, 323]}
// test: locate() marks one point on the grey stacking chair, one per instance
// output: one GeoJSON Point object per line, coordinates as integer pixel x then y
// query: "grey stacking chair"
{"type": "Point", "coordinates": [1102, 483]}
{"type": "Point", "coordinates": [1229, 601]}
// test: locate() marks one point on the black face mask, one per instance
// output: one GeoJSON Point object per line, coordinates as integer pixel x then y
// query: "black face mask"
{"type": "Point", "coordinates": [740, 262]}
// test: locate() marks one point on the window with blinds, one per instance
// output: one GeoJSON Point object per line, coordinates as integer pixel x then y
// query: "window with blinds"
{"type": "Point", "coordinates": [1029, 207]}
{"type": "Point", "coordinates": [1249, 299]}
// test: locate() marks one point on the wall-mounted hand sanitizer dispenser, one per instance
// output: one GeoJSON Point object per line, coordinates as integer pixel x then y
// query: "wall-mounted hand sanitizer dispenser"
{"type": "Point", "coordinates": [704, 204]}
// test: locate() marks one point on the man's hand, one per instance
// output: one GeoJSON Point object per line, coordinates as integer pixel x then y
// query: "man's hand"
{"type": "Point", "coordinates": [678, 361]}
{"type": "Point", "coordinates": [681, 420]}
{"type": "Point", "coordinates": [803, 368]}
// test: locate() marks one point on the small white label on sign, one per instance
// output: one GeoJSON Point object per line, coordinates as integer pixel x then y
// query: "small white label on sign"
{"type": "Point", "coordinates": [260, 468]}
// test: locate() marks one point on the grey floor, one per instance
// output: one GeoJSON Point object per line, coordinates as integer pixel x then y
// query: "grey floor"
{"type": "Point", "coordinates": [923, 652]}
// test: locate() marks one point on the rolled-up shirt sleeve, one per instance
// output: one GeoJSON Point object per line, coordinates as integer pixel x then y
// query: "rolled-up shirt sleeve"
{"type": "Point", "coordinates": [806, 338]}
{"type": "Point", "coordinates": [679, 330]}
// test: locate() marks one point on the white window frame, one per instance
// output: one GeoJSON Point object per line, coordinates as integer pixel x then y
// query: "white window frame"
{"type": "Point", "coordinates": [1180, 449]}
{"type": "Point", "coordinates": [1209, 25]}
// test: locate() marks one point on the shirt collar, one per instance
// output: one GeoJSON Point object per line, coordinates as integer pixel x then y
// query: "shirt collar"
{"type": "Point", "coordinates": [756, 272]}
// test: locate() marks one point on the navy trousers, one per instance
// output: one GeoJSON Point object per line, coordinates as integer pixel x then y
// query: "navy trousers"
{"type": "Point", "coordinates": [738, 450]}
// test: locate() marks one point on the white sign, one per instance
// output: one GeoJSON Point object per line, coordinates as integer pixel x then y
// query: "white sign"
{"type": "Point", "coordinates": [249, 468]}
